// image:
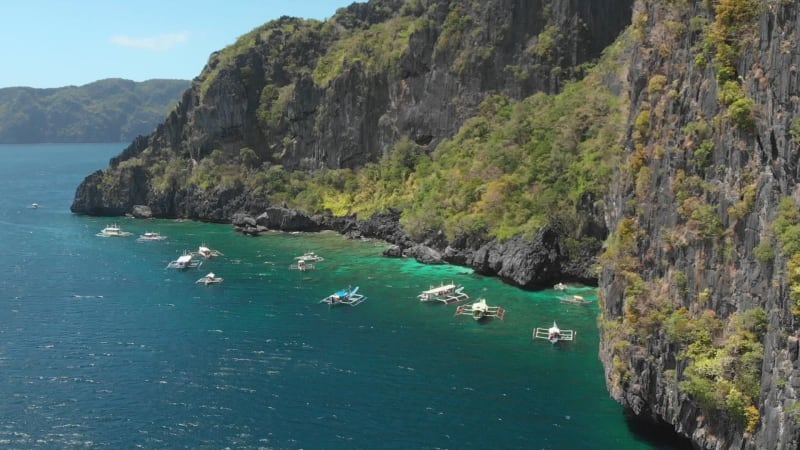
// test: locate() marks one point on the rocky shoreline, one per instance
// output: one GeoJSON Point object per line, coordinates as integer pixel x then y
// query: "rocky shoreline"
{"type": "Point", "coordinates": [530, 264]}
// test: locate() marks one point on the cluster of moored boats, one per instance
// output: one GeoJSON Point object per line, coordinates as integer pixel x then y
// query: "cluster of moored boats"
{"type": "Point", "coordinates": [480, 310]}
{"type": "Point", "coordinates": [189, 260]}
{"type": "Point", "coordinates": [451, 293]}
{"type": "Point", "coordinates": [445, 293]}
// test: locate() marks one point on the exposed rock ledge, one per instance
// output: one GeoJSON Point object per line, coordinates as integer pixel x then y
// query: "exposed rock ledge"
{"type": "Point", "coordinates": [536, 263]}
{"type": "Point", "coordinates": [531, 263]}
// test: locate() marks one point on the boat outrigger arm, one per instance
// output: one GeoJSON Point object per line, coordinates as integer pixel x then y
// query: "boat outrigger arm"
{"type": "Point", "coordinates": [554, 334]}
{"type": "Point", "coordinates": [480, 310]}
{"type": "Point", "coordinates": [344, 297]}
{"type": "Point", "coordinates": [446, 293]}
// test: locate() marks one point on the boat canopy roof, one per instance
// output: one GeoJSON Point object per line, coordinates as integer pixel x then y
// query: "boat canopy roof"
{"type": "Point", "coordinates": [440, 290]}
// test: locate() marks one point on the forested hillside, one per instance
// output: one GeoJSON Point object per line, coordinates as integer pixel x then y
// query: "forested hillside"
{"type": "Point", "coordinates": [417, 107]}
{"type": "Point", "coordinates": [111, 110]}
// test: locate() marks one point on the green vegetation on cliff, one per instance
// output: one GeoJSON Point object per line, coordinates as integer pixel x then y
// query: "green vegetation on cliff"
{"type": "Point", "coordinates": [528, 164]}
{"type": "Point", "coordinates": [517, 166]}
{"type": "Point", "coordinates": [678, 256]}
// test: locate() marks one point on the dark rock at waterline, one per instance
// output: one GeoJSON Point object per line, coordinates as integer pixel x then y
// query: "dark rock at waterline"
{"type": "Point", "coordinates": [142, 212]}
{"type": "Point", "coordinates": [394, 251]}
{"type": "Point", "coordinates": [424, 254]}
{"type": "Point", "coordinates": [285, 219]}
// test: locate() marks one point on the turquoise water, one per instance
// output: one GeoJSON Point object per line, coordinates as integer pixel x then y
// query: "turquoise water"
{"type": "Point", "coordinates": [101, 346]}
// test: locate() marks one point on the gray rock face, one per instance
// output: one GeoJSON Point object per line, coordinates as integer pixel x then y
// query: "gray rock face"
{"type": "Point", "coordinates": [358, 115]}
{"type": "Point", "coordinates": [286, 220]}
{"type": "Point", "coordinates": [710, 263]}
{"type": "Point", "coordinates": [142, 212]}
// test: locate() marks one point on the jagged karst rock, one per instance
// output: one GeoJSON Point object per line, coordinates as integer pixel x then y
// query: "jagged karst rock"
{"type": "Point", "coordinates": [424, 254]}
{"type": "Point", "coordinates": [142, 212]}
{"type": "Point", "coordinates": [394, 251]}
{"type": "Point", "coordinates": [713, 264]}
{"type": "Point", "coordinates": [533, 263]}
{"type": "Point", "coordinates": [287, 220]}
{"type": "Point", "coordinates": [358, 115]}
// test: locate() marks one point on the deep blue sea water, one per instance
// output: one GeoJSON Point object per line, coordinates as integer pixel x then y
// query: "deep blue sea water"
{"type": "Point", "coordinates": [101, 346]}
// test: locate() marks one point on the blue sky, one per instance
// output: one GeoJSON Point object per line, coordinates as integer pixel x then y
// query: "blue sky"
{"type": "Point", "coordinates": [54, 43]}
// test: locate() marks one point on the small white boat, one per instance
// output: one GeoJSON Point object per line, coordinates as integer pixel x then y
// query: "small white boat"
{"type": "Point", "coordinates": [113, 231]}
{"type": "Point", "coordinates": [310, 256]}
{"type": "Point", "coordinates": [210, 278]}
{"type": "Point", "coordinates": [344, 297]}
{"type": "Point", "coordinates": [34, 205]}
{"type": "Point", "coordinates": [302, 265]}
{"type": "Point", "coordinates": [206, 252]}
{"type": "Point", "coordinates": [185, 261]}
{"type": "Point", "coordinates": [151, 236]}
{"type": "Point", "coordinates": [560, 287]}
{"type": "Point", "coordinates": [575, 300]}
{"type": "Point", "coordinates": [554, 334]}
{"type": "Point", "coordinates": [480, 310]}
{"type": "Point", "coordinates": [445, 293]}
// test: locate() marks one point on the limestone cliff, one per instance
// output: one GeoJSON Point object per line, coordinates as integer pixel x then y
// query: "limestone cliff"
{"type": "Point", "coordinates": [700, 278]}
{"type": "Point", "coordinates": [307, 95]}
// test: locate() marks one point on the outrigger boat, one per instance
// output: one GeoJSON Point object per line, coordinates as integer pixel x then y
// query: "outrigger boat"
{"type": "Point", "coordinates": [480, 310]}
{"type": "Point", "coordinates": [310, 256]}
{"type": "Point", "coordinates": [151, 236]}
{"type": "Point", "coordinates": [209, 279]}
{"type": "Point", "coordinates": [113, 231]}
{"type": "Point", "coordinates": [554, 334]}
{"type": "Point", "coordinates": [575, 300]}
{"type": "Point", "coordinates": [446, 293]}
{"type": "Point", "coordinates": [560, 287]}
{"type": "Point", "coordinates": [344, 297]}
{"type": "Point", "coordinates": [206, 252]}
{"type": "Point", "coordinates": [302, 265]}
{"type": "Point", "coordinates": [185, 261]}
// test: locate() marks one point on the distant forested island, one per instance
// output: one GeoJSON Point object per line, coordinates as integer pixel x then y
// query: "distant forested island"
{"type": "Point", "coordinates": [110, 110]}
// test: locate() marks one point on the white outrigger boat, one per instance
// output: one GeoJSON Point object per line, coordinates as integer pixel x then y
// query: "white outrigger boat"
{"type": "Point", "coordinates": [206, 252]}
{"type": "Point", "coordinates": [150, 236]}
{"type": "Point", "coordinates": [446, 293]}
{"type": "Point", "coordinates": [185, 261]}
{"type": "Point", "coordinates": [480, 310]}
{"type": "Point", "coordinates": [310, 256]}
{"type": "Point", "coordinates": [302, 265]}
{"type": "Point", "coordinates": [113, 231]}
{"type": "Point", "coordinates": [554, 334]}
{"type": "Point", "coordinates": [560, 286]}
{"type": "Point", "coordinates": [344, 297]}
{"type": "Point", "coordinates": [210, 278]}
{"type": "Point", "coordinates": [575, 300]}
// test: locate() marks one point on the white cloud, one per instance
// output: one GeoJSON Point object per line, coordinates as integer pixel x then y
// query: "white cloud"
{"type": "Point", "coordinates": [160, 43]}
